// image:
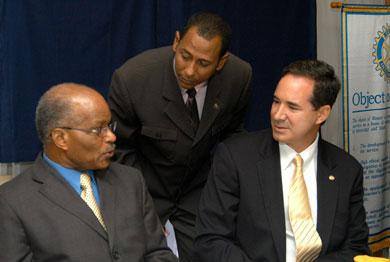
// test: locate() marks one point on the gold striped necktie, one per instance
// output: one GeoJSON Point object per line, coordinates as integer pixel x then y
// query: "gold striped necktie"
{"type": "Point", "coordinates": [307, 240]}
{"type": "Point", "coordinates": [87, 196]}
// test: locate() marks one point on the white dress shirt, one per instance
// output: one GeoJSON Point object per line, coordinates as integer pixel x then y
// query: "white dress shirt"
{"type": "Point", "coordinates": [309, 156]}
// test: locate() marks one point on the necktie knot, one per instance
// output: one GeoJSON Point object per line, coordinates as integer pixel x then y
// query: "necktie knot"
{"type": "Point", "coordinates": [191, 93]}
{"type": "Point", "coordinates": [298, 161]}
{"type": "Point", "coordinates": [85, 181]}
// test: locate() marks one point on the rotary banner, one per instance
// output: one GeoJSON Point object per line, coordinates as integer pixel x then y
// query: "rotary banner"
{"type": "Point", "coordinates": [366, 109]}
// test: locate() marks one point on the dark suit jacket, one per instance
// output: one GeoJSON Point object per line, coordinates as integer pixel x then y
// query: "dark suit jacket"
{"type": "Point", "coordinates": [154, 130]}
{"type": "Point", "coordinates": [42, 218]}
{"type": "Point", "coordinates": [241, 215]}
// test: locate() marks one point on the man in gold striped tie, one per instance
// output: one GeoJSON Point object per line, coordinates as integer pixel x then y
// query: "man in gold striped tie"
{"type": "Point", "coordinates": [285, 194]}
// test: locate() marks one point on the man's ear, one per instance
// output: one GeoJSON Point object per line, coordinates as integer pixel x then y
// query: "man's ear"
{"type": "Point", "coordinates": [323, 114]}
{"type": "Point", "coordinates": [222, 61]}
{"type": "Point", "coordinates": [176, 41]}
{"type": "Point", "coordinates": [60, 138]}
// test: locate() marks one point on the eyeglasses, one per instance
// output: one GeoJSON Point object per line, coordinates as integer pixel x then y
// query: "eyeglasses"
{"type": "Point", "coordinates": [100, 131]}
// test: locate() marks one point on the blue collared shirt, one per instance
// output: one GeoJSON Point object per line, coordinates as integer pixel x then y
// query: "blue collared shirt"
{"type": "Point", "coordinates": [73, 177]}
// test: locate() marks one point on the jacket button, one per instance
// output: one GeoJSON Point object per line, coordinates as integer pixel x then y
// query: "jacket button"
{"type": "Point", "coordinates": [116, 255]}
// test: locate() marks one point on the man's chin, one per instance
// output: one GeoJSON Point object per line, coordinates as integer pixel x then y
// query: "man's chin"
{"type": "Point", "coordinates": [103, 164]}
{"type": "Point", "coordinates": [278, 136]}
{"type": "Point", "coordinates": [186, 86]}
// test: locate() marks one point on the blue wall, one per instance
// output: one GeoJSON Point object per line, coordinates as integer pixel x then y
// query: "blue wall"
{"type": "Point", "coordinates": [46, 42]}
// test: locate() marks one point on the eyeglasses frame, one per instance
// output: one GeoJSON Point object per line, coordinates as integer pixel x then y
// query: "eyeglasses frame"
{"type": "Point", "coordinates": [111, 126]}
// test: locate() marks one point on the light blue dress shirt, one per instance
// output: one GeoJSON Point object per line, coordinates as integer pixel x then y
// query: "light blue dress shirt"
{"type": "Point", "coordinates": [73, 177]}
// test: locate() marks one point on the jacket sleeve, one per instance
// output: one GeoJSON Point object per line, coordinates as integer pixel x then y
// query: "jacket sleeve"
{"type": "Point", "coordinates": [156, 245]}
{"type": "Point", "coordinates": [236, 124]}
{"type": "Point", "coordinates": [215, 225]}
{"type": "Point", "coordinates": [14, 245]}
{"type": "Point", "coordinates": [122, 112]}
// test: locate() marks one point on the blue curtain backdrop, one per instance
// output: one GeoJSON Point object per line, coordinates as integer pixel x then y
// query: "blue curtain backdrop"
{"type": "Point", "coordinates": [46, 42]}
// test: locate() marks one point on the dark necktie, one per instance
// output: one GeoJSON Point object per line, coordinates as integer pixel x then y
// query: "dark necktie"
{"type": "Point", "coordinates": [192, 108]}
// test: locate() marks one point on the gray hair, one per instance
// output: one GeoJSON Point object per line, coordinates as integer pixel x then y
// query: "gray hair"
{"type": "Point", "coordinates": [53, 110]}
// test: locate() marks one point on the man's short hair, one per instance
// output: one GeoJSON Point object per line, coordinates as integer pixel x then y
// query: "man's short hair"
{"type": "Point", "coordinates": [326, 86]}
{"type": "Point", "coordinates": [209, 25]}
{"type": "Point", "coordinates": [53, 110]}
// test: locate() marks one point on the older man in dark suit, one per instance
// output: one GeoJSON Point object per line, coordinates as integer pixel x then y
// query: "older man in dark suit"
{"type": "Point", "coordinates": [285, 194]}
{"type": "Point", "coordinates": [172, 105]}
{"type": "Point", "coordinates": [73, 205]}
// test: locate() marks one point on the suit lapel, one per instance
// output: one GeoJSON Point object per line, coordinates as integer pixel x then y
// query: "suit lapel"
{"type": "Point", "coordinates": [108, 203]}
{"type": "Point", "coordinates": [175, 108]}
{"type": "Point", "coordinates": [271, 188]}
{"type": "Point", "coordinates": [327, 191]}
{"type": "Point", "coordinates": [57, 190]}
{"type": "Point", "coordinates": [211, 108]}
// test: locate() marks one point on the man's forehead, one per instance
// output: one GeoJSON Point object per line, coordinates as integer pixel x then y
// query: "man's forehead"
{"type": "Point", "coordinates": [192, 42]}
{"type": "Point", "coordinates": [296, 82]}
{"type": "Point", "coordinates": [293, 95]}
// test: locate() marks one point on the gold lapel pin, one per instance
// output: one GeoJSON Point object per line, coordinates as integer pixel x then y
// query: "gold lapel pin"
{"type": "Point", "coordinates": [331, 178]}
{"type": "Point", "coordinates": [216, 106]}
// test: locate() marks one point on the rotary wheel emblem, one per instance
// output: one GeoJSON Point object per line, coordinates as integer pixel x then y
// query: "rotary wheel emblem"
{"type": "Point", "coordinates": [382, 53]}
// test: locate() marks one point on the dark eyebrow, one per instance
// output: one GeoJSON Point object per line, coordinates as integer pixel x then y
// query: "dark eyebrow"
{"type": "Point", "coordinates": [288, 102]}
{"type": "Point", "coordinates": [293, 104]}
{"type": "Point", "coordinates": [201, 60]}
{"type": "Point", "coordinates": [101, 123]}
{"type": "Point", "coordinates": [205, 61]}
{"type": "Point", "coordinates": [185, 51]}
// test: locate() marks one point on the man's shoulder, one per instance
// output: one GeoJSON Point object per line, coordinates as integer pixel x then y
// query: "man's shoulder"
{"type": "Point", "coordinates": [122, 169]}
{"type": "Point", "coordinates": [24, 182]}
{"type": "Point", "coordinates": [235, 73]}
{"type": "Point", "coordinates": [261, 141]}
{"type": "Point", "coordinates": [123, 173]}
{"type": "Point", "coordinates": [149, 57]}
{"type": "Point", "coordinates": [235, 63]}
{"type": "Point", "coordinates": [336, 154]}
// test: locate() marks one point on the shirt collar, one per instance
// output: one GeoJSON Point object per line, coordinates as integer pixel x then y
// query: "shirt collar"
{"type": "Point", "coordinates": [70, 175]}
{"type": "Point", "coordinates": [287, 153]}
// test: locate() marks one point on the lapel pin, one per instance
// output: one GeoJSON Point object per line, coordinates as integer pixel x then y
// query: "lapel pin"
{"type": "Point", "coordinates": [216, 106]}
{"type": "Point", "coordinates": [331, 178]}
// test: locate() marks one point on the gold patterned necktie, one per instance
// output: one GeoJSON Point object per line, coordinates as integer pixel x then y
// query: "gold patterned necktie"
{"type": "Point", "coordinates": [307, 240]}
{"type": "Point", "coordinates": [87, 196]}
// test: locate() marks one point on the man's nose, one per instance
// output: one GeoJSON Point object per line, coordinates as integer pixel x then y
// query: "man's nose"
{"type": "Point", "coordinates": [110, 137]}
{"type": "Point", "coordinates": [280, 113]}
{"type": "Point", "coordinates": [190, 69]}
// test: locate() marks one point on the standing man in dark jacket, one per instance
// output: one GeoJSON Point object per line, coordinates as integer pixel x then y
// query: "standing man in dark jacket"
{"type": "Point", "coordinates": [160, 134]}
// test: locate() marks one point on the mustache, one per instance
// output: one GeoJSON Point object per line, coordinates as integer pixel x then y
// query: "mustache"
{"type": "Point", "coordinates": [187, 78]}
{"type": "Point", "coordinates": [110, 148]}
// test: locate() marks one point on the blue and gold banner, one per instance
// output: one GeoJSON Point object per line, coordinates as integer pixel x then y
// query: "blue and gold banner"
{"type": "Point", "coordinates": [366, 109]}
